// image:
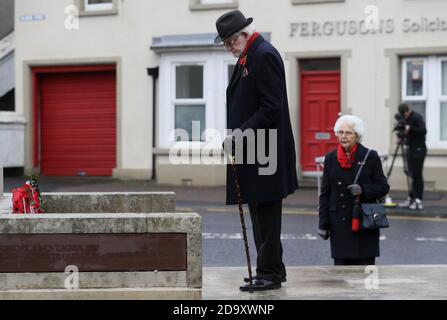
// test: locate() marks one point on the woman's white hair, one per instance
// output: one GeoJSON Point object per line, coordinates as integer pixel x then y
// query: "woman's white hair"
{"type": "Point", "coordinates": [354, 121]}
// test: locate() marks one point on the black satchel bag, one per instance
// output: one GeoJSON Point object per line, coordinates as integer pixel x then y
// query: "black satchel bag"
{"type": "Point", "coordinates": [372, 215]}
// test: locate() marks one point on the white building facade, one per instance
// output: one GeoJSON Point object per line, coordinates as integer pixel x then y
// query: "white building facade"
{"type": "Point", "coordinates": [103, 84]}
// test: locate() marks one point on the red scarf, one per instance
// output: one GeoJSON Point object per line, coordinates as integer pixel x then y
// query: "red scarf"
{"type": "Point", "coordinates": [243, 58]}
{"type": "Point", "coordinates": [346, 160]}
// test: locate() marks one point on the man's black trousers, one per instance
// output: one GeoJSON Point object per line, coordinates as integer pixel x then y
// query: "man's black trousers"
{"type": "Point", "coordinates": [416, 157]}
{"type": "Point", "coordinates": [266, 221]}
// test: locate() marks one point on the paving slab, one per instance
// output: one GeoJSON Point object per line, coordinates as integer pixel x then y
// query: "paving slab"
{"type": "Point", "coordinates": [391, 282]}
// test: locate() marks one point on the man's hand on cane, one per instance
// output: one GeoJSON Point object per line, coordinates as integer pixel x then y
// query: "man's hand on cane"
{"type": "Point", "coordinates": [229, 145]}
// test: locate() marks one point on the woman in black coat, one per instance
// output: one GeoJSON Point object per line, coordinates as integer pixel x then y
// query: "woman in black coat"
{"type": "Point", "coordinates": [338, 193]}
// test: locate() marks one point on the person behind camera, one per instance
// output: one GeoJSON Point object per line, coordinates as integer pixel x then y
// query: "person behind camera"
{"type": "Point", "coordinates": [350, 246]}
{"type": "Point", "coordinates": [414, 134]}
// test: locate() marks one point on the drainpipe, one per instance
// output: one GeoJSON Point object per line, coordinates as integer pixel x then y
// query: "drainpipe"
{"type": "Point", "coordinates": [154, 72]}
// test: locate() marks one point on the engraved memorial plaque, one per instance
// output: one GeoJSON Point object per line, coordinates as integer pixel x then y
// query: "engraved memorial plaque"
{"type": "Point", "coordinates": [92, 252]}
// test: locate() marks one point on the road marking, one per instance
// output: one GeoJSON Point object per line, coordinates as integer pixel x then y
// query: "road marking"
{"type": "Point", "coordinates": [238, 236]}
{"type": "Point", "coordinates": [438, 239]}
{"type": "Point", "coordinates": [307, 212]}
{"type": "Point", "coordinates": [298, 237]}
{"type": "Point", "coordinates": [289, 236]}
{"type": "Point", "coordinates": [232, 236]}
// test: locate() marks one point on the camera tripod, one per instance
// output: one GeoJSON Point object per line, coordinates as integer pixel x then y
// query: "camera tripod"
{"type": "Point", "coordinates": [404, 149]}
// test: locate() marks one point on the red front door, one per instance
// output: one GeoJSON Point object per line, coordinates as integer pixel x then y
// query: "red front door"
{"type": "Point", "coordinates": [320, 106]}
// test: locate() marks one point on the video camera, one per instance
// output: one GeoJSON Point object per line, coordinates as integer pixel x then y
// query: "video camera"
{"type": "Point", "coordinates": [399, 126]}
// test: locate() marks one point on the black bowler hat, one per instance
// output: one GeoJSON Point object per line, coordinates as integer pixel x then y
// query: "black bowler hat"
{"type": "Point", "coordinates": [230, 23]}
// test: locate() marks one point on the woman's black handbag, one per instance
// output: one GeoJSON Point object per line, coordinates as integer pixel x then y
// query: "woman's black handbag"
{"type": "Point", "coordinates": [372, 215]}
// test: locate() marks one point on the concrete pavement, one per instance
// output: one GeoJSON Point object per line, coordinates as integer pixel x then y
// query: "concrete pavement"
{"type": "Point", "coordinates": [320, 283]}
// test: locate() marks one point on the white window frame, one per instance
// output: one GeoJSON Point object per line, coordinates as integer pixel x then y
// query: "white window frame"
{"type": "Point", "coordinates": [432, 97]}
{"type": "Point", "coordinates": [215, 83]}
{"type": "Point", "coordinates": [404, 79]}
{"type": "Point", "coordinates": [440, 99]}
{"type": "Point", "coordinates": [98, 6]}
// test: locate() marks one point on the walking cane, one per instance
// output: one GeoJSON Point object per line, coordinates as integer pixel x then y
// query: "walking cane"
{"type": "Point", "coordinates": [241, 213]}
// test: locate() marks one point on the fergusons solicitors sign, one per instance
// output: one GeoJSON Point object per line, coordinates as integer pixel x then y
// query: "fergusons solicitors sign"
{"type": "Point", "coordinates": [366, 27]}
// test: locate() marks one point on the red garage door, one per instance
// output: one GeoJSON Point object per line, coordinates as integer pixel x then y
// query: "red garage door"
{"type": "Point", "coordinates": [78, 123]}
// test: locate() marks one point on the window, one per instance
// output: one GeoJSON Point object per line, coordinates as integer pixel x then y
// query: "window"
{"type": "Point", "coordinates": [193, 88]}
{"type": "Point", "coordinates": [212, 4]}
{"type": "Point", "coordinates": [7, 101]}
{"type": "Point", "coordinates": [324, 64]}
{"type": "Point", "coordinates": [414, 84]}
{"type": "Point", "coordinates": [98, 5]}
{"type": "Point", "coordinates": [443, 121]}
{"type": "Point", "coordinates": [443, 100]}
{"type": "Point", "coordinates": [424, 89]}
{"type": "Point", "coordinates": [230, 68]}
{"type": "Point", "coordinates": [189, 102]}
{"type": "Point", "coordinates": [444, 77]}
{"type": "Point", "coordinates": [415, 78]}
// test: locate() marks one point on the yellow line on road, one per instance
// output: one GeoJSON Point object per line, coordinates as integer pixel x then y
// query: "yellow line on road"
{"type": "Point", "coordinates": [431, 219]}
{"type": "Point", "coordinates": [184, 209]}
{"type": "Point", "coordinates": [220, 210]}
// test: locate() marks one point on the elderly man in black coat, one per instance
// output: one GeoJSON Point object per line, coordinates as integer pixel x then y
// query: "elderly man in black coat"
{"type": "Point", "coordinates": [338, 192]}
{"type": "Point", "coordinates": [256, 102]}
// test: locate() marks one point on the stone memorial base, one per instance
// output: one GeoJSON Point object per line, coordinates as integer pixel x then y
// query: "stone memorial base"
{"type": "Point", "coordinates": [91, 255]}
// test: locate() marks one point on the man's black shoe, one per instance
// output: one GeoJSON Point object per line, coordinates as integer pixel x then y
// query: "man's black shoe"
{"type": "Point", "coordinates": [256, 277]}
{"type": "Point", "coordinates": [261, 285]}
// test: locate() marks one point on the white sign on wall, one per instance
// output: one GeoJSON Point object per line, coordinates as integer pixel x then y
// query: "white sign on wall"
{"type": "Point", "coordinates": [32, 17]}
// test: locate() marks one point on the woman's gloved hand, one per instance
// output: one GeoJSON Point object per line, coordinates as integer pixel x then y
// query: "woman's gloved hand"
{"type": "Point", "coordinates": [324, 234]}
{"type": "Point", "coordinates": [355, 189]}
